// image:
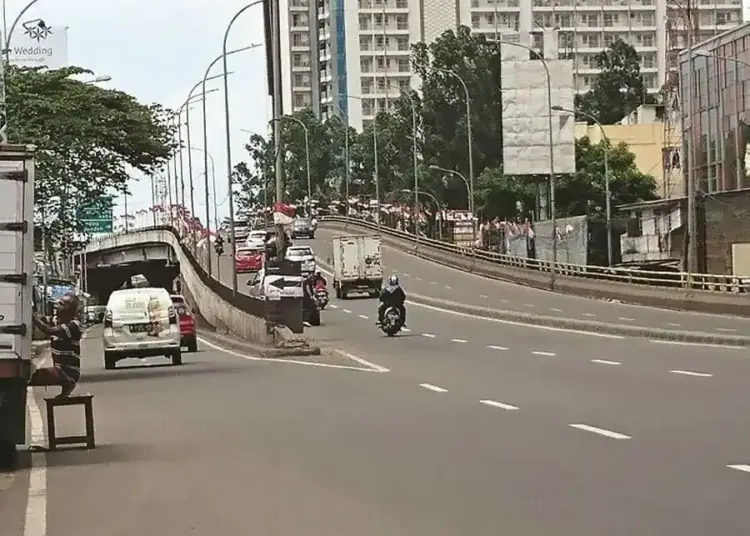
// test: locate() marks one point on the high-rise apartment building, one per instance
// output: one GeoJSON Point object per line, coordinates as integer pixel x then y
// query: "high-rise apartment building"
{"type": "Point", "coordinates": [351, 57]}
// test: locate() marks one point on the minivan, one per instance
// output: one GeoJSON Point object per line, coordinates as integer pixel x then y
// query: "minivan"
{"type": "Point", "coordinates": [140, 322]}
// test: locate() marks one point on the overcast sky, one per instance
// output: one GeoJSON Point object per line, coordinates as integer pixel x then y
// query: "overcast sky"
{"type": "Point", "coordinates": [157, 50]}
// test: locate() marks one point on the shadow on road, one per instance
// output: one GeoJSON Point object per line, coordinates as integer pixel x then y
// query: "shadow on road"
{"type": "Point", "coordinates": [160, 371]}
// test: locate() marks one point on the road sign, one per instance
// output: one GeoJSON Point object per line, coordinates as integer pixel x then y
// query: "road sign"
{"type": "Point", "coordinates": [97, 217]}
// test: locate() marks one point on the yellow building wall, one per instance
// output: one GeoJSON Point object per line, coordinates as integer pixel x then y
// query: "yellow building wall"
{"type": "Point", "coordinates": [646, 142]}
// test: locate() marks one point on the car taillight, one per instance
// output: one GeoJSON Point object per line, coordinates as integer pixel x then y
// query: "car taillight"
{"type": "Point", "coordinates": [108, 319]}
{"type": "Point", "coordinates": [172, 315]}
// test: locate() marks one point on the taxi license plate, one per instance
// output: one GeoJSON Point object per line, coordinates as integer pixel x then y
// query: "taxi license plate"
{"type": "Point", "coordinates": [139, 328]}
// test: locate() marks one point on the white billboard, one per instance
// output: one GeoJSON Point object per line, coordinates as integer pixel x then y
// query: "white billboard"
{"type": "Point", "coordinates": [34, 44]}
{"type": "Point", "coordinates": [526, 118]}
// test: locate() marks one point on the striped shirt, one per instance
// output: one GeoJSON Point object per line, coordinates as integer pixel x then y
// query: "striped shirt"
{"type": "Point", "coordinates": [66, 349]}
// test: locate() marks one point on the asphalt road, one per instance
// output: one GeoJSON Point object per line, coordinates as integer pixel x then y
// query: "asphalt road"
{"type": "Point", "coordinates": [478, 428]}
{"type": "Point", "coordinates": [431, 279]}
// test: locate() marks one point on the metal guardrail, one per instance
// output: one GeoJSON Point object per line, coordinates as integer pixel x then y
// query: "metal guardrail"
{"type": "Point", "coordinates": [705, 282]}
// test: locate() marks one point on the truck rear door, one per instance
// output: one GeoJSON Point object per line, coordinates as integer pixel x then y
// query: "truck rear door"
{"type": "Point", "coordinates": [371, 254]}
{"type": "Point", "coordinates": [349, 255]}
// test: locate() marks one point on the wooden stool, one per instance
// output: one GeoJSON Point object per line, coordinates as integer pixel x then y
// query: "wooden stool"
{"type": "Point", "coordinates": [87, 402]}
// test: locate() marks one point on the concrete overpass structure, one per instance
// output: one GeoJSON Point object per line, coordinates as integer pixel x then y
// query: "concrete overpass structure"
{"type": "Point", "coordinates": [111, 269]}
{"type": "Point", "coordinates": [158, 255]}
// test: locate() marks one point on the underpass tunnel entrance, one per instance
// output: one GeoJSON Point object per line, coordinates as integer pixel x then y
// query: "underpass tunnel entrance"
{"type": "Point", "coordinates": [103, 281]}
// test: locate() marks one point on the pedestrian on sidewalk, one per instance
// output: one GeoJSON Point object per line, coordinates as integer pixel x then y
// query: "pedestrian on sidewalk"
{"type": "Point", "coordinates": [65, 346]}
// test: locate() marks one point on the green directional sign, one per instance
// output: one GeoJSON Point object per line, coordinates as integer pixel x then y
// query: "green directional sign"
{"type": "Point", "coordinates": [97, 217]}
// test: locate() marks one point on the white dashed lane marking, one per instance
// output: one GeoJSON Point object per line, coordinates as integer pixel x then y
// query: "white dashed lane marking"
{"type": "Point", "coordinates": [555, 309]}
{"type": "Point", "coordinates": [493, 347]}
{"type": "Point", "coordinates": [434, 388]}
{"type": "Point", "coordinates": [548, 354]}
{"type": "Point", "coordinates": [626, 319]}
{"type": "Point", "coordinates": [743, 468]}
{"type": "Point", "coordinates": [347, 311]}
{"type": "Point", "coordinates": [605, 362]}
{"type": "Point", "coordinates": [529, 305]}
{"type": "Point", "coordinates": [484, 296]}
{"type": "Point", "coordinates": [428, 335]}
{"type": "Point", "coordinates": [727, 330]}
{"type": "Point", "coordinates": [589, 314]}
{"type": "Point", "coordinates": [496, 404]}
{"type": "Point", "coordinates": [333, 306]}
{"type": "Point", "coordinates": [600, 431]}
{"type": "Point", "coordinates": [673, 324]}
{"type": "Point", "coordinates": [691, 373]}
{"type": "Point", "coordinates": [458, 340]}
{"type": "Point", "coordinates": [447, 287]}
{"type": "Point", "coordinates": [363, 317]}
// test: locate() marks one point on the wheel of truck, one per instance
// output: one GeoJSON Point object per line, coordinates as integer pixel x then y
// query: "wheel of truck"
{"type": "Point", "coordinates": [338, 293]}
{"type": "Point", "coordinates": [344, 293]}
{"type": "Point", "coordinates": [8, 455]}
{"type": "Point", "coordinates": [192, 346]}
{"type": "Point", "coordinates": [177, 358]}
{"type": "Point", "coordinates": [109, 361]}
{"type": "Point", "coordinates": [314, 318]}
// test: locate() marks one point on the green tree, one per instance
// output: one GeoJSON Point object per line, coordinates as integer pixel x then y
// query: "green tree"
{"type": "Point", "coordinates": [443, 107]}
{"type": "Point", "coordinates": [504, 196]}
{"type": "Point", "coordinates": [619, 88]}
{"type": "Point", "coordinates": [584, 191]}
{"type": "Point", "coordinates": [89, 139]}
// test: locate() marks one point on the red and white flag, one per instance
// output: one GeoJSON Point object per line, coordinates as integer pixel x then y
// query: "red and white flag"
{"type": "Point", "coordinates": [282, 214]}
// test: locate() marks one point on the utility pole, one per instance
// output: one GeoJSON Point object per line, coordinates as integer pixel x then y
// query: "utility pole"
{"type": "Point", "coordinates": [277, 114]}
{"type": "Point", "coordinates": [692, 250]}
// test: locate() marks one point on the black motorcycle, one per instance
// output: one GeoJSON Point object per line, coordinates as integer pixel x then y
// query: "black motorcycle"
{"type": "Point", "coordinates": [392, 321]}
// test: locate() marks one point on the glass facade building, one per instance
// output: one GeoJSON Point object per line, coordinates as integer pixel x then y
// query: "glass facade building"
{"type": "Point", "coordinates": [716, 118]}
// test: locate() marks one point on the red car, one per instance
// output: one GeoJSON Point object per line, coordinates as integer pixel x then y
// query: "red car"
{"type": "Point", "coordinates": [188, 335]}
{"type": "Point", "coordinates": [248, 260]}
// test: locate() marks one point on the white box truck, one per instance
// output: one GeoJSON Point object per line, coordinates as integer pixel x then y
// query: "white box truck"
{"type": "Point", "coordinates": [357, 265]}
{"type": "Point", "coordinates": [16, 292]}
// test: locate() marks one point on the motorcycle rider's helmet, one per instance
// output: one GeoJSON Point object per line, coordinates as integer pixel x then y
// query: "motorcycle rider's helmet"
{"type": "Point", "coordinates": [393, 280]}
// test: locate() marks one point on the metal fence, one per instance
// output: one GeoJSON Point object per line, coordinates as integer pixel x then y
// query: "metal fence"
{"type": "Point", "coordinates": [694, 281]}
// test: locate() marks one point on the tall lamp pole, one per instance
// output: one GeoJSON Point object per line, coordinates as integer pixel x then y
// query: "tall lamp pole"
{"type": "Point", "coordinates": [375, 174]}
{"type": "Point", "coordinates": [608, 200]}
{"type": "Point", "coordinates": [307, 151]}
{"type": "Point", "coordinates": [228, 134]}
{"type": "Point", "coordinates": [206, 78]}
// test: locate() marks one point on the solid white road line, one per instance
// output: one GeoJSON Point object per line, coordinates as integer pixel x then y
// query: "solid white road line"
{"type": "Point", "coordinates": [690, 373]}
{"type": "Point", "coordinates": [548, 354]}
{"type": "Point", "coordinates": [626, 319]}
{"type": "Point", "coordinates": [458, 340]}
{"type": "Point", "coordinates": [407, 275]}
{"type": "Point", "coordinates": [727, 330]}
{"type": "Point", "coordinates": [428, 335]}
{"type": "Point", "coordinates": [500, 405]}
{"type": "Point", "coordinates": [292, 361]}
{"type": "Point", "coordinates": [347, 311]}
{"type": "Point", "coordinates": [605, 362]}
{"type": "Point", "coordinates": [529, 305]}
{"type": "Point", "coordinates": [365, 362]}
{"type": "Point", "coordinates": [433, 388]}
{"type": "Point", "coordinates": [493, 347]}
{"type": "Point", "coordinates": [600, 431]}
{"type": "Point", "coordinates": [743, 468]}
{"type": "Point", "coordinates": [673, 324]}
{"type": "Point", "coordinates": [555, 309]}
{"type": "Point", "coordinates": [700, 344]}
{"type": "Point", "coordinates": [333, 306]}
{"type": "Point", "coordinates": [591, 315]}
{"type": "Point", "coordinates": [35, 523]}
{"type": "Point", "coordinates": [406, 330]}
{"type": "Point", "coordinates": [363, 317]}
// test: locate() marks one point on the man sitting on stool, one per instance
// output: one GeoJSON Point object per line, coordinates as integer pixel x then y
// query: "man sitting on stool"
{"type": "Point", "coordinates": [65, 344]}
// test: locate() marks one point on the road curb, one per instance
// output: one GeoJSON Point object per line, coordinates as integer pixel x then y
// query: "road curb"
{"type": "Point", "coordinates": [260, 351]}
{"type": "Point", "coordinates": [583, 325]}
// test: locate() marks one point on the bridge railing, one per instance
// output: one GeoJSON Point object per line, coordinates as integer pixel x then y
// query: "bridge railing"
{"type": "Point", "coordinates": [694, 281]}
{"type": "Point", "coordinates": [249, 304]}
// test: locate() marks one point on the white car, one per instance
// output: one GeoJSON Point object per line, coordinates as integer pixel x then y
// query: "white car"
{"type": "Point", "coordinates": [256, 239]}
{"type": "Point", "coordinates": [303, 255]}
{"type": "Point", "coordinates": [140, 322]}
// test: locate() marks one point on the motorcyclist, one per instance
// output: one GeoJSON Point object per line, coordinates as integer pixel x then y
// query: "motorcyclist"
{"type": "Point", "coordinates": [219, 245]}
{"type": "Point", "coordinates": [318, 281]}
{"type": "Point", "coordinates": [392, 295]}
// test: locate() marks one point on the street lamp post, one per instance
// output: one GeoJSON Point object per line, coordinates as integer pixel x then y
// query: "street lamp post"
{"type": "Point", "coordinates": [415, 162]}
{"type": "Point", "coordinates": [437, 204]}
{"type": "Point", "coordinates": [469, 191]}
{"type": "Point", "coordinates": [206, 78]}
{"type": "Point", "coordinates": [608, 200]}
{"type": "Point", "coordinates": [553, 210]}
{"type": "Point", "coordinates": [375, 173]}
{"type": "Point", "coordinates": [228, 134]}
{"type": "Point", "coordinates": [307, 151]}
{"type": "Point", "coordinates": [210, 157]}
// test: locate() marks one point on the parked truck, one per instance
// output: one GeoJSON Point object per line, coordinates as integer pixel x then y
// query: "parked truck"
{"type": "Point", "coordinates": [16, 293]}
{"type": "Point", "coordinates": [357, 265]}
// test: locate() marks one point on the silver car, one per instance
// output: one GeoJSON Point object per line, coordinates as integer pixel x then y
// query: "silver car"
{"type": "Point", "coordinates": [304, 255]}
{"type": "Point", "coordinates": [303, 227]}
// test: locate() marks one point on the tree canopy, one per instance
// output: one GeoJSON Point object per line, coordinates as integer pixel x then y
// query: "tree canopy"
{"type": "Point", "coordinates": [619, 88]}
{"type": "Point", "coordinates": [442, 141]}
{"type": "Point", "coordinates": [89, 139]}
